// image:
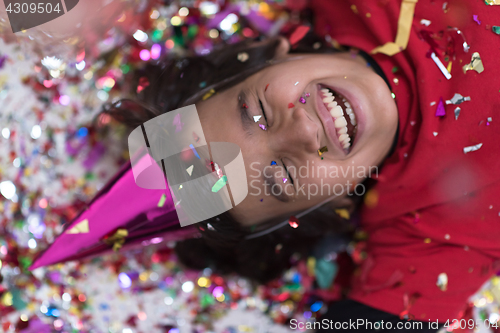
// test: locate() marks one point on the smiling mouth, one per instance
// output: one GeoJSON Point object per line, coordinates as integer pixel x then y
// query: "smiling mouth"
{"type": "Point", "coordinates": [344, 119]}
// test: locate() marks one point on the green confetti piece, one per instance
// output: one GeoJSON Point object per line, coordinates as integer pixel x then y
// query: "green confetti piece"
{"type": "Point", "coordinates": [219, 184]}
{"type": "Point", "coordinates": [17, 301]}
{"type": "Point", "coordinates": [162, 200]}
{"type": "Point", "coordinates": [496, 29]}
{"type": "Point", "coordinates": [395, 69]}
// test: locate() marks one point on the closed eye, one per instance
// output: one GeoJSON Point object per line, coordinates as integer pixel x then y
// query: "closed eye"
{"type": "Point", "coordinates": [263, 112]}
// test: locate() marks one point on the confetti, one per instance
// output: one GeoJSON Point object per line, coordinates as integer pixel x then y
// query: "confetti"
{"type": "Point", "coordinates": [472, 148]}
{"type": "Point", "coordinates": [440, 110]}
{"type": "Point", "coordinates": [290, 105]}
{"type": "Point", "coordinates": [208, 94]}
{"type": "Point", "coordinates": [457, 99]}
{"type": "Point", "coordinates": [267, 86]}
{"type": "Point", "coordinates": [322, 150]}
{"type": "Point", "coordinates": [256, 118]}
{"type": "Point", "coordinates": [293, 222]}
{"type": "Point", "coordinates": [194, 151]}
{"type": "Point", "coordinates": [177, 123]}
{"type": "Point", "coordinates": [219, 184]}
{"type": "Point", "coordinates": [457, 112]}
{"type": "Point", "coordinates": [435, 133]}
{"type": "Point", "coordinates": [296, 83]}
{"type": "Point", "coordinates": [442, 281]}
{"type": "Point", "coordinates": [243, 56]}
{"type": "Point", "coordinates": [274, 163]}
{"type": "Point", "coordinates": [245, 106]}
{"type": "Point", "coordinates": [143, 83]}
{"type": "Point", "coordinates": [210, 227]}
{"type": "Point", "coordinates": [189, 170]}
{"type": "Point", "coordinates": [302, 100]}
{"type": "Point", "coordinates": [163, 199]}
{"type": "Point", "coordinates": [492, 2]}
{"type": "Point", "coordinates": [116, 239]}
{"type": "Point", "coordinates": [203, 84]}
{"type": "Point", "coordinates": [475, 64]}
{"type": "Point", "coordinates": [474, 17]}
{"type": "Point", "coordinates": [440, 65]}
{"type": "Point", "coordinates": [308, 94]}
{"type": "Point", "coordinates": [263, 127]}
{"type": "Point", "coordinates": [298, 34]}
{"type": "Point", "coordinates": [80, 228]}
{"type": "Point", "coordinates": [285, 180]}
{"type": "Point", "coordinates": [425, 22]}
{"type": "Point", "coordinates": [496, 29]}
{"type": "Point", "coordinates": [343, 213]}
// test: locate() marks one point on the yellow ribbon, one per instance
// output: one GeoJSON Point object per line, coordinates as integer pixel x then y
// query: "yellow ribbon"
{"type": "Point", "coordinates": [117, 239]}
{"type": "Point", "coordinates": [403, 35]}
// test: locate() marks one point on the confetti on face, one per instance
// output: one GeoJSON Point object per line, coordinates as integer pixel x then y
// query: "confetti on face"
{"type": "Point", "coordinates": [256, 118]}
{"type": "Point", "coordinates": [219, 184]}
{"type": "Point", "coordinates": [261, 200]}
{"type": "Point", "coordinates": [457, 112]}
{"type": "Point", "coordinates": [293, 222]}
{"type": "Point", "coordinates": [245, 106]}
{"type": "Point", "coordinates": [308, 94]}
{"type": "Point", "coordinates": [440, 111]}
{"type": "Point", "coordinates": [274, 163]}
{"type": "Point", "coordinates": [267, 86]}
{"type": "Point", "coordinates": [208, 94]}
{"type": "Point", "coordinates": [242, 56]}
{"type": "Point", "coordinates": [302, 100]}
{"type": "Point", "coordinates": [475, 64]}
{"type": "Point", "coordinates": [285, 180]}
{"type": "Point", "coordinates": [322, 150]}
{"type": "Point", "coordinates": [263, 127]}
{"type": "Point", "coordinates": [442, 281]}
{"type": "Point", "coordinates": [296, 83]}
{"type": "Point", "coordinates": [472, 148]}
{"type": "Point", "coordinates": [290, 105]}
{"type": "Point", "coordinates": [474, 17]}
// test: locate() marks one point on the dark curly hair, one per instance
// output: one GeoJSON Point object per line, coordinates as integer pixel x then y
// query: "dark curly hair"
{"type": "Point", "coordinates": [174, 83]}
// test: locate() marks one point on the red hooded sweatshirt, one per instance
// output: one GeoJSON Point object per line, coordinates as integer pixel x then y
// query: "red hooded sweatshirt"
{"type": "Point", "coordinates": [434, 214]}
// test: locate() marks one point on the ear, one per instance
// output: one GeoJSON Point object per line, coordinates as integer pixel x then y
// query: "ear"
{"type": "Point", "coordinates": [283, 48]}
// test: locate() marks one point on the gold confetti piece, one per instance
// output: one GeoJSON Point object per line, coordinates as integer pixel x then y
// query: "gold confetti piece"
{"type": "Point", "coordinates": [448, 68]}
{"type": "Point", "coordinates": [442, 281]}
{"type": "Point", "coordinates": [404, 26]}
{"type": "Point", "coordinates": [472, 148]}
{"type": "Point", "coordinates": [476, 64]}
{"type": "Point", "coordinates": [80, 228]}
{"type": "Point", "coordinates": [371, 198]}
{"type": "Point", "coordinates": [163, 198]}
{"type": "Point", "coordinates": [492, 2]}
{"type": "Point", "coordinates": [311, 265]}
{"type": "Point", "coordinates": [427, 240]}
{"type": "Point", "coordinates": [343, 213]}
{"type": "Point", "coordinates": [190, 170]}
{"type": "Point", "coordinates": [322, 150]}
{"type": "Point", "coordinates": [354, 9]}
{"type": "Point", "coordinates": [117, 239]}
{"type": "Point", "coordinates": [208, 94]}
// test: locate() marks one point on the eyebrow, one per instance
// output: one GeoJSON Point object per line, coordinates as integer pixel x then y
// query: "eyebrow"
{"type": "Point", "coordinates": [269, 182]}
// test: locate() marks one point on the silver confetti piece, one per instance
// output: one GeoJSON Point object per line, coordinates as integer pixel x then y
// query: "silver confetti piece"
{"type": "Point", "coordinates": [457, 99]}
{"type": "Point", "coordinates": [442, 281]}
{"type": "Point", "coordinates": [472, 148]}
{"type": "Point", "coordinates": [457, 112]}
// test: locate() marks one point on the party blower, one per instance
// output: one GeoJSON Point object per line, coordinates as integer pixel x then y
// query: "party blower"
{"type": "Point", "coordinates": [174, 179]}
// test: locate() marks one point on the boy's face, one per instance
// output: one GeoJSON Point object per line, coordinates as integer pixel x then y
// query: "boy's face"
{"type": "Point", "coordinates": [285, 172]}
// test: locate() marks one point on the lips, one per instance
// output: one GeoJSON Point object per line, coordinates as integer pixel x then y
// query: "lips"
{"type": "Point", "coordinates": [338, 117]}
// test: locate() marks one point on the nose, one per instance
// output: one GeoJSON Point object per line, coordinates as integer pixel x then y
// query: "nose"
{"type": "Point", "coordinates": [297, 133]}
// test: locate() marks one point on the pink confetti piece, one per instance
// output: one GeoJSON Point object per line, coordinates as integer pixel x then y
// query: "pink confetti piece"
{"type": "Point", "coordinates": [308, 94]}
{"type": "Point", "coordinates": [285, 180]}
{"type": "Point", "coordinates": [302, 100]}
{"type": "Point", "coordinates": [476, 19]}
{"type": "Point", "coordinates": [267, 86]}
{"type": "Point", "coordinates": [298, 34]}
{"type": "Point", "coordinates": [290, 105]}
{"type": "Point", "coordinates": [177, 122]}
{"type": "Point", "coordinates": [440, 110]}
{"type": "Point", "coordinates": [263, 127]}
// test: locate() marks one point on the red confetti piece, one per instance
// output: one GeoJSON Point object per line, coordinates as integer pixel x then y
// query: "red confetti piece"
{"type": "Point", "coordinates": [298, 34]}
{"type": "Point", "coordinates": [293, 222]}
{"type": "Point", "coordinates": [245, 106]}
{"type": "Point", "coordinates": [290, 105]}
{"type": "Point", "coordinates": [267, 85]}
{"type": "Point", "coordinates": [440, 111]}
{"type": "Point", "coordinates": [143, 83]}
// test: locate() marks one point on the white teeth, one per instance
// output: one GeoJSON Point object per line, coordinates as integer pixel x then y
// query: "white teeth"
{"type": "Point", "coordinates": [342, 137]}
{"type": "Point", "coordinates": [325, 90]}
{"type": "Point", "coordinates": [332, 105]}
{"type": "Point", "coordinates": [343, 130]}
{"type": "Point", "coordinates": [340, 122]}
{"type": "Point", "coordinates": [336, 112]}
{"type": "Point", "coordinates": [328, 99]}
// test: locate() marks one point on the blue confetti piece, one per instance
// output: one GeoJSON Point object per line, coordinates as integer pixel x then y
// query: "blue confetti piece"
{"type": "Point", "coordinates": [316, 306]}
{"type": "Point", "coordinates": [194, 151]}
{"type": "Point", "coordinates": [82, 132]}
{"type": "Point", "coordinates": [273, 163]}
